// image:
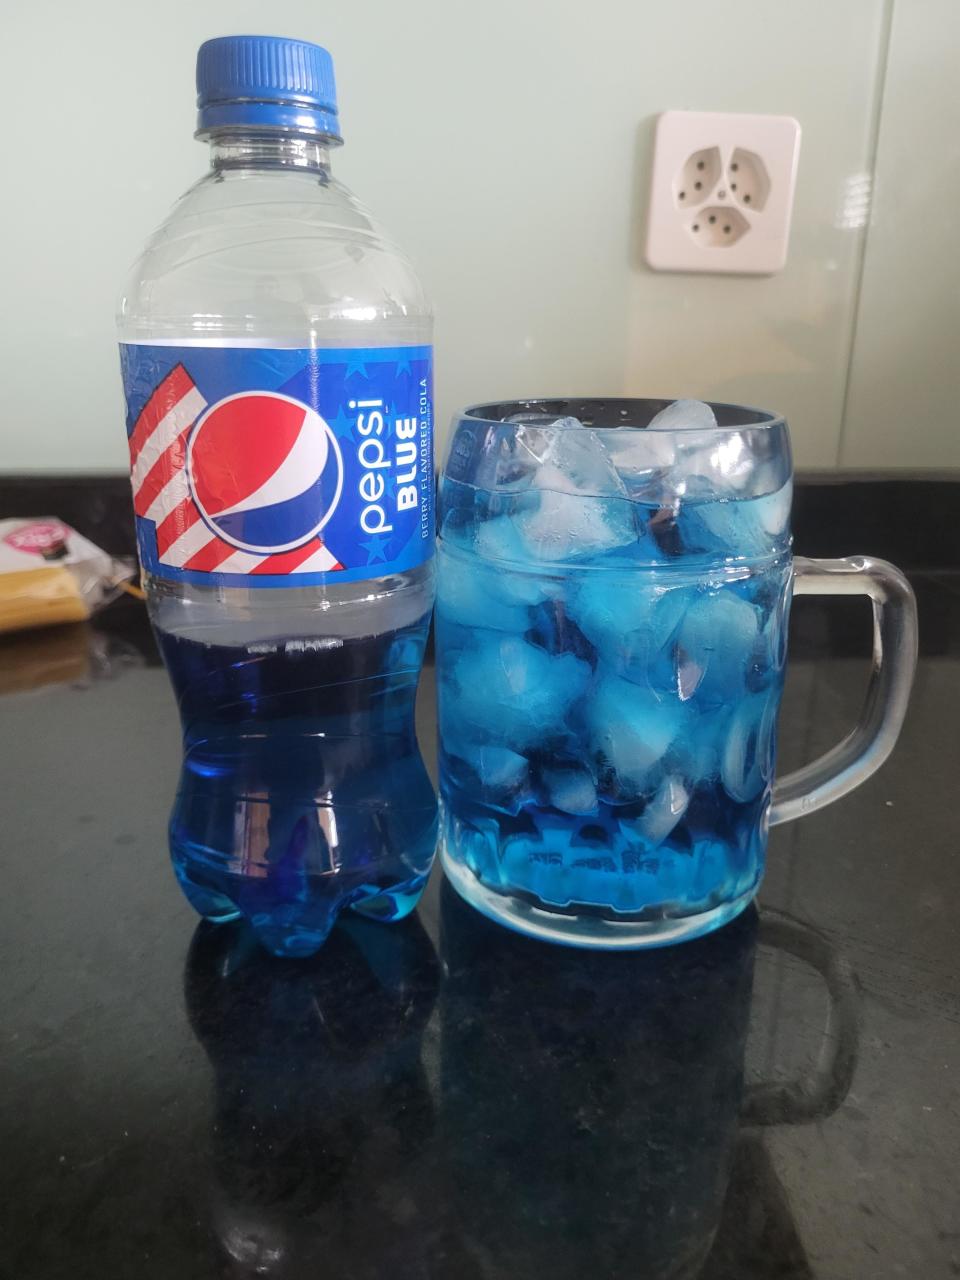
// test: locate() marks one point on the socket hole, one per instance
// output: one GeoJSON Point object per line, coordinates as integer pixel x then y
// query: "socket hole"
{"type": "Point", "coordinates": [700, 172]}
{"type": "Point", "coordinates": [733, 186]}
{"type": "Point", "coordinates": [717, 227]}
{"type": "Point", "coordinates": [753, 181]}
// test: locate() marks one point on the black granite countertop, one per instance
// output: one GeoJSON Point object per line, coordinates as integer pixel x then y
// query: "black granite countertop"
{"type": "Point", "coordinates": [442, 1098]}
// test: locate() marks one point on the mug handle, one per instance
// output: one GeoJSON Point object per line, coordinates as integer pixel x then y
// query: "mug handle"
{"type": "Point", "coordinates": [864, 750]}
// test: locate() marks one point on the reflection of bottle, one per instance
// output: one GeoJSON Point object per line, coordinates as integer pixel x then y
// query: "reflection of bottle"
{"type": "Point", "coordinates": [590, 1100]}
{"type": "Point", "coordinates": [322, 1105]}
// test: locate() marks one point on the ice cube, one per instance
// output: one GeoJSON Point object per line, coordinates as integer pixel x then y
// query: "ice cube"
{"type": "Point", "coordinates": [773, 511]}
{"type": "Point", "coordinates": [567, 527]}
{"type": "Point", "coordinates": [664, 811]}
{"type": "Point", "coordinates": [629, 625]}
{"type": "Point", "coordinates": [507, 572]}
{"type": "Point", "coordinates": [576, 504]}
{"type": "Point", "coordinates": [571, 789]}
{"type": "Point", "coordinates": [737, 529]}
{"type": "Point", "coordinates": [684, 415]}
{"type": "Point", "coordinates": [703, 745]}
{"type": "Point", "coordinates": [520, 454]}
{"type": "Point", "coordinates": [632, 728]}
{"type": "Point", "coordinates": [504, 776]}
{"type": "Point", "coordinates": [464, 598]}
{"type": "Point", "coordinates": [500, 767]}
{"type": "Point", "coordinates": [643, 460]}
{"type": "Point", "coordinates": [610, 604]}
{"type": "Point", "coordinates": [702, 459]}
{"type": "Point", "coordinates": [498, 539]}
{"type": "Point", "coordinates": [513, 692]}
{"type": "Point", "coordinates": [577, 462]}
{"type": "Point", "coordinates": [716, 639]}
{"type": "Point", "coordinates": [718, 464]}
{"type": "Point", "coordinates": [747, 761]}
{"type": "Point", "coordinates": [534, 441]}
{"type": "Point", "coordinates": [676, 530]}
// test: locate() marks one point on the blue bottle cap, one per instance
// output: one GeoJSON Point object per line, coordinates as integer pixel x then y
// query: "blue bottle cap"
{"type": "Point", "coordinates": [266, 82]}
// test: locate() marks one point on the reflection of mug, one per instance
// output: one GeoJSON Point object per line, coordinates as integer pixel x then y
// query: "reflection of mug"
{"type": "Point", "coordinates": [322, 1105]}
{"type": "Point", "coordinates": [611, 636]}
{"type": "Point", "coordinates": [590, 1110]}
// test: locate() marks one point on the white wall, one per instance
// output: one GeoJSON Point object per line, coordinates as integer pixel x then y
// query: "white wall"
{"type": "Point", "coordinates": [505, 144]}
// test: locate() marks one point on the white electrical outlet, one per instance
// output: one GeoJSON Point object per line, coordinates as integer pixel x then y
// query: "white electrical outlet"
{"type": "Point", "coordinates": [721, 194]}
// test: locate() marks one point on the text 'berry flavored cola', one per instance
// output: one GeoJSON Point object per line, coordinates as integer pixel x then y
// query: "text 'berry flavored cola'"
{"type": "Point", "coordinates": [276, 359]}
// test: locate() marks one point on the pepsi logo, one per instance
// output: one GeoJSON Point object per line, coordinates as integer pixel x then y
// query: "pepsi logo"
{"type": "Point", "coordinates": [264, 471]}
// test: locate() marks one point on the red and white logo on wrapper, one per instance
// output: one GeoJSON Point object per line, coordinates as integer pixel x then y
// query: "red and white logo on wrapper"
{"type": "Point", "coordinates": [244, 486]}
{"type": "Point", "coordinates": [39, 537]}
{"type": "Point", "coordinates": [264, 470]}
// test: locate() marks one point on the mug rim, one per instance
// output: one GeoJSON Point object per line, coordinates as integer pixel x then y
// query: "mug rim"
{"type": "Point", "coordinates": [731, 417]}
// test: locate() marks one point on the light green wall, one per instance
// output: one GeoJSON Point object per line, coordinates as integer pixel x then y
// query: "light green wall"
{"type": "Point", "coordinates": [903, 408]}
{"type": "Point", "coordinates": [506, 145]}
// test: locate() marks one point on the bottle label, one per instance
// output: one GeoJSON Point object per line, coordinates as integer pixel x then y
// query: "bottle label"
{"type": "Point", "coordinates": [273, 467]}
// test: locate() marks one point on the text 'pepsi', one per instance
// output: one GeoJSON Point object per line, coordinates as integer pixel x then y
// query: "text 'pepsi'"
{"type": "Point", "coordinates": [276, 359]}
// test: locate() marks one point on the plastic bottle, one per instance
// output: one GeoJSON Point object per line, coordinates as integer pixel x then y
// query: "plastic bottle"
{"type": "Point", "coordinates": [278, 376]}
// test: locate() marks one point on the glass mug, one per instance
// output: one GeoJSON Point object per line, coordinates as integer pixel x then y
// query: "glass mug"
{"type": "Point", "coordinates": [611, 634]}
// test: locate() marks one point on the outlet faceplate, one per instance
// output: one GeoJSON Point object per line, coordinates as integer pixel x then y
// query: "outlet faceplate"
{"type": "Point", "coordinates": [721, 194]}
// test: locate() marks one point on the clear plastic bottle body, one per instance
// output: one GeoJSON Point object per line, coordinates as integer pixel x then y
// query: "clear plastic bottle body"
{"type": "Point", "coordinates": [268, 250]}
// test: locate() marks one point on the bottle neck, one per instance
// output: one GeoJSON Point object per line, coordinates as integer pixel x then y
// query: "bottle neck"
{"type": "Point", "coordinates": [232, 149]}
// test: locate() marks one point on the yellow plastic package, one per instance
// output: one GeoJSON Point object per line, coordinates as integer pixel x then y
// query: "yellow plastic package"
{"type": "Point", "coordinates": [49, 574]}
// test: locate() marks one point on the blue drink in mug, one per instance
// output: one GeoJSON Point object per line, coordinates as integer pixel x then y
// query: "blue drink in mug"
{"type": "Point", "coordinates": [614, 588]}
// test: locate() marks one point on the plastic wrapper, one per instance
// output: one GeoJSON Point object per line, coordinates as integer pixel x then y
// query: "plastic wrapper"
{"type": "Point", "coordinates": [50, 574]}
